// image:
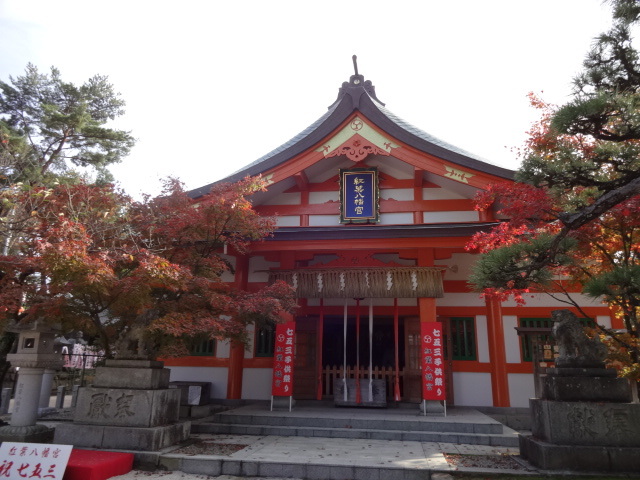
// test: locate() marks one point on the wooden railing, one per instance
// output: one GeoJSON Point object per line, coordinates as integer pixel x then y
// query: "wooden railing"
{"type": "Point", "coordinates": [330, 373]}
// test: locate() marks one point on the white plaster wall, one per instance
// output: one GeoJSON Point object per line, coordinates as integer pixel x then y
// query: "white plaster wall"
{"type": "Point", "coordinates": [450, 217]}
{"type": "Point", "coordinates": [256, 383]}
{"type": "Point", "coordinates": [457, 299]}
{"type": "Point", "coordinates": [222, 349]}
{"type": "Point", "coordinates": [521, 389]}
{"type": "Point", "coordinates": [482, 339]}
{"type": "Point", "coordinates": [216, 375]}
{"type": "Point", "coordinates": [604, 320]}
{"type": "Point", "coordinates": [288, 221]}
{"type": "Point", "coordinates": [324, 197]}
{"type": "Point", "coordinates": [323, 220]}
{"type": "Point", "coordinates": [227, 276]}
{"type": "Point", "coordinates": [511, 339]}
{"type": "Point", "coordinates": [285, 199]}
{"type": "Point", "coordinates": [472, 389]}
{"type": "Point", "coordinates": [402, 218]}
{"type": "Point", "coordinates": [439, 194]}
{"type": "Point", "coordinates": [397, 194]}
{"type": "Point", "coordinates": [459, 266]}
{"type": "Point", "coordinates": [391, 166]}
{"type": "Point", "coordinates": [543, 300]}
{"type": "Point", "coordinates": [259, 269]}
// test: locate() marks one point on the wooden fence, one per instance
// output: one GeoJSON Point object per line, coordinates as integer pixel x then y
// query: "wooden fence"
{"type": "Point", "coordinates": [330, 373]}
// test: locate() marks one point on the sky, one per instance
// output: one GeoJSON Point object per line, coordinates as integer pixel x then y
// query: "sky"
{"type": "Point", "coordinates": [213, 85]}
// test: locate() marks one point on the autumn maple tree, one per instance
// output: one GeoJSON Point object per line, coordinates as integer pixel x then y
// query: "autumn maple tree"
{"type": "Point", "coordinates": [145, 278]}
{"type": "Point", "coordinates": [52, 132]}
{"type": "Point", "coordinates": [573, 214]}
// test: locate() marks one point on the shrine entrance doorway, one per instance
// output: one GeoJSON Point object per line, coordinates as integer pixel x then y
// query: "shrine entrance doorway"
{"type": "Point", "coordinates": [305, 358]}
{"type": "Point", "coordinates": [369, 354]}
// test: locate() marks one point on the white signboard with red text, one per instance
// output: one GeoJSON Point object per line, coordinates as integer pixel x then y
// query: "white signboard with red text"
{"type": "Point", "coordinates": [432, 357]}
{"type": "Point", "coordinates": [33, 460]}
{"type": "Point", "coordinates": [282, 384]}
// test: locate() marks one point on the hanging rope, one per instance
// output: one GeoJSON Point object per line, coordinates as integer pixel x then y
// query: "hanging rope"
{"type": "Point", "coordinates": [320, 338]}
{"type": "Point", "coordinates": [375, 282]}
{"type": "Point", "coordinates": [344, 357]}
{"type": "Point", "coordinates": [396, 382]}
{"type": "Point", "coordinates": [358, 393]}
{"type": "Point", "coordinates": [371, 349]}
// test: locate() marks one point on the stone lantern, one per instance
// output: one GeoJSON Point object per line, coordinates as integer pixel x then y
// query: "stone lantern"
{"type": "Point", "coordinates": [35, 353]}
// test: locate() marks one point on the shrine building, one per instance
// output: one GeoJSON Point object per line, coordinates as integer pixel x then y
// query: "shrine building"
{"type": "Point", "coordinates": [373, 215]}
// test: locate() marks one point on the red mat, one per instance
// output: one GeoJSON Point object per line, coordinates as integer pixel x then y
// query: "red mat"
{"type": "Point", "coordinates": [97, 464]}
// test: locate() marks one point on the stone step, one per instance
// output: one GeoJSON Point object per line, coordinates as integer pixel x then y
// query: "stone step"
{"type": "Point", "coordinates": [508, 439]}
{"type": "Point", "coordinates": [212, 466]}
{"type": "Point", "coordinates": [407, 424]}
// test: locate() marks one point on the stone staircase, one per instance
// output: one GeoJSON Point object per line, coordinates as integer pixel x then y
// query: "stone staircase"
{"type": "Point", "coordinates": [460, 426]}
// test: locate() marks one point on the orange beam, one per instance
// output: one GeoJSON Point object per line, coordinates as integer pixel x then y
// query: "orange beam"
{"type": "Point", "coordinates": [385, 182]}
{"type": "Point", "coordinates": [386, 206]}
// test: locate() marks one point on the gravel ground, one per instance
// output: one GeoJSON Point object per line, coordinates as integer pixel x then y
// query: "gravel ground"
{"type": "Point", "coordinates": [497, 462]}
{"type": "Point", "coordinates": [196, 448]}
{"type": "Point", "coordinates": [209, 448]}
{"type": "Point", "coordinates": [484, 461]}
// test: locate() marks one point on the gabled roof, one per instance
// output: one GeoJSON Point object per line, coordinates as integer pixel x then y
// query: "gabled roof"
{"type": "Point", "coordinates": [359, 95]}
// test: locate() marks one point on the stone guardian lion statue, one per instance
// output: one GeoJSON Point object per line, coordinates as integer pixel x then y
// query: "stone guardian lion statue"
{"type": "Point", "coordinates": [576, 349]}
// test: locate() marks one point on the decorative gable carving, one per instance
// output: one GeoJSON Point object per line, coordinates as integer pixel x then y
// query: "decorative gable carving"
{"type": "Point", "coordinates": [357, 149]}
{"type": "Point", "coordinates": [356, 141]}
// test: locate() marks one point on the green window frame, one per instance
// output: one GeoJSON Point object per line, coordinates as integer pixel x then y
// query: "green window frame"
{"type": "Point", "coordinates": [265, 339]}
{"type": "Point", "coordinates": [463, 338]}
{"type": "Point", "coordinates": [525, 340]}
{"type": "Point", "coordinates": [206, 348]}
{"type": "Point", "coordinates": [526, 343]}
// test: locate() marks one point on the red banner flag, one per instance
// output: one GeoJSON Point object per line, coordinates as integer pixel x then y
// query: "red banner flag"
{"type": "Point", "coordinates": [432, 356]}
{"type": "Point", "coordinates": [282, 384]}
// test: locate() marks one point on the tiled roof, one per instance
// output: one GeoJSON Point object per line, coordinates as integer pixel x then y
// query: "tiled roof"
{"type": "Point", "coordinates": [358, 94]}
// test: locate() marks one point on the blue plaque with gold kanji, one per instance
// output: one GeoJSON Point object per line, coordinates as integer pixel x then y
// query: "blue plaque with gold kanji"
{"type": "Point", "coordinates": [359, 195]}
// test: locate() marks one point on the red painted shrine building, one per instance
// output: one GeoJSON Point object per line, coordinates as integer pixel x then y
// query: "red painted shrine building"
{"type": "Point", "coordinates": [372, 218]}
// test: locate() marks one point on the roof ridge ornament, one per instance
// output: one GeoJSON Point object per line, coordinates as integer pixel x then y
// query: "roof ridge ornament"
{"type": "Point", "coordinates": [356, 86]}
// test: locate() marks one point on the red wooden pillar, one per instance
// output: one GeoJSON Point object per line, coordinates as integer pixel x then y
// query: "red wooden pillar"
{"type": "Point", "coordinates": [236, 353]}
{"type": "Point", "coordinates": [427, 307]}
{"type": "Point", "coordinates": [236, 368]}
{"type": "Point", "coordinates": [497, 354]}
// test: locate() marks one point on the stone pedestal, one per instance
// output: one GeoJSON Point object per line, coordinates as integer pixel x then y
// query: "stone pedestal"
{"type": "Point", "coordinates": [130, 406]}
{"type": "Point", "coordinates": [193, 393]}
{"type": "Point", "coordinates": [584, 423]}
{"type": "Point", "coordinates": [194, 398]}
{"type": "Point", "coordinates": [584, 420]}
{"type": "Point", "coordinates": [22, 426]}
